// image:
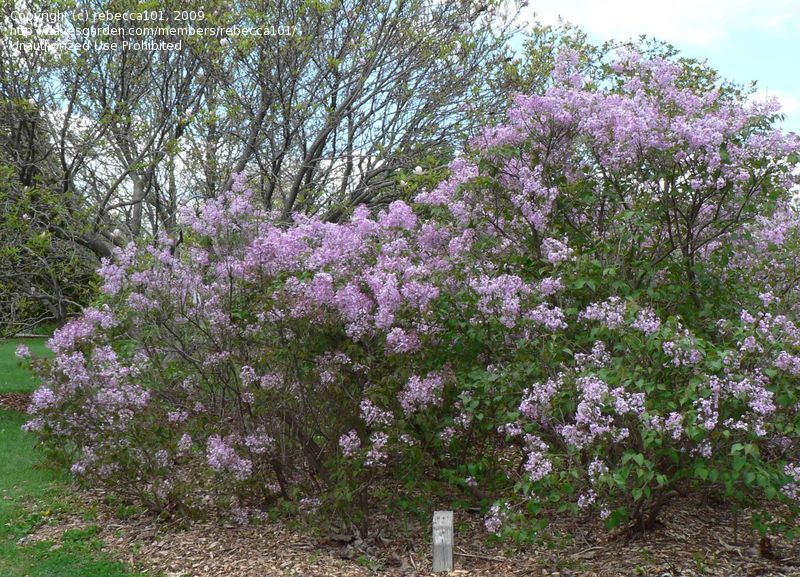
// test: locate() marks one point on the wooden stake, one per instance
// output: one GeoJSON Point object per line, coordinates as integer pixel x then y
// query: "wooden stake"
{"type": "Point", "coordinates": [442, 541]}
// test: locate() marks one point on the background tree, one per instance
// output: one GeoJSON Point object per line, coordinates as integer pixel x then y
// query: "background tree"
{"type": "Point", "coordinates": [329, 109]}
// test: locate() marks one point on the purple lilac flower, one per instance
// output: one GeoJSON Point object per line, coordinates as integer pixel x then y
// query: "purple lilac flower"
{"type": "Point", "coordinates": [596, 469]}
{"type": "Point", "coordinates": [537, 465]}
{"type": "Point", "coordinates": [495, 518]}
{"type": "Point", "coordinates": [610, 312]}
{"type": "Point", "coordinates": [792, 488]}
{"type": "Point", "coordinates": [271, 381]}
{"type": "Point", "coordinates": [222, 457]}
{"type": "Point", "coordinates": [399, 215]}
{"type": "Point", "coordinates": [549, 286]}
{"type": "Point", "coordinates": [184, 443]}
{"type": "Point", "coordinates": [646, 321]}
{"type": "Point", "coordinates": [586, 499]}
{"type": "Point", "coordinates": [407, 439]}
{"type": "Point", "coordinates": [420, 393]}
{"type": "Point", "coordinates": [177, 416]}
{"type": "Point", "coordinates": [501, 296]}
{"type": "Point", "coordinates": [349, 443]}
{"type": "Point", "coordinates": [683, 354]}
{"type": "Point", "coordinates": [788, 363]}
{"type": "Point", "coordinates": [767, 298]}
{"type": "Point", "coordinates": [259, 442]}
{"type": "Point", "coordinates": [41, 399]}
{"type": "Point", "coordinates": [750, 345]}
{"type": "Point", "coordinates": [598, 358]}
{"type": "Point", "coordinates": [248, 375]}
{"type": "Point", "coordinates": [401, 341]}
{"type": "Point", "coordinates": [707, 412]}
{"type": "Point", "coordinates": [373, 415]}
{"type": "Point", "coordinates": [376, 456]}
{"type": "Point", "coordinates": [674, 425]}
{"type": "Point", "coordinates": [552, 317]}
{"type": "Point", "coordinates": [535, 402]}
{"type": "Point", "coordinates": [447, 435]}
{"type": "Point", "coordinates": [556, 251]}
{"type": "Point", "coordinates": [510, 430]}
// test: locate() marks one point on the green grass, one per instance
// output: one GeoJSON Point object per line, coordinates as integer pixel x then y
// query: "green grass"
{"type": "Point", "coordinates": [13, 377]}
{"type": "Point", "coordinates": [31, 494]}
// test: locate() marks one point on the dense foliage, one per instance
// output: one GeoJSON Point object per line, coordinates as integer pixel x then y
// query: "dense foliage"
{"type": "Point", "coordinates": [46, 274]}
{"type": "Point", "coordinates": [594, 312]}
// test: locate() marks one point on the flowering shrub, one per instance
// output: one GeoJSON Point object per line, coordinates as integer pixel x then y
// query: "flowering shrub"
{"type": "Point", "coordinates": [593, 312]}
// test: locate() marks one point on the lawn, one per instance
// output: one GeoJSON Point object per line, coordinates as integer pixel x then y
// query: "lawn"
{"type": "Point", "coordinates": [31, 493]}
{"type": "Point", "coordinates": [13, 378]}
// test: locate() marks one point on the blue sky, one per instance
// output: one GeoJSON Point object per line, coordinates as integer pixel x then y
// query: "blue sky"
{"type": "Point", "coordinates": [744, 39]}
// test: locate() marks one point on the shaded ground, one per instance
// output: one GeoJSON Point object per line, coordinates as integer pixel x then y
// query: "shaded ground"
{"type": "Point", "coordinates": [694, 539]}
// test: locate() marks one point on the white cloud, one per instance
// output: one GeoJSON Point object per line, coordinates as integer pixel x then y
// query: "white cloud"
{"type": "Point", "coordinates": [695, 22]}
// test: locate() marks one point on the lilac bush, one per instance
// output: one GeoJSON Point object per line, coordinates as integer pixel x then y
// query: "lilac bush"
{"type": "Point", "coordinates": [595, 311]}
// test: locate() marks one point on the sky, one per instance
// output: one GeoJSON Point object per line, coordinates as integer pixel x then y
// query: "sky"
{"type": "Point", "coordinates": [743, 39]}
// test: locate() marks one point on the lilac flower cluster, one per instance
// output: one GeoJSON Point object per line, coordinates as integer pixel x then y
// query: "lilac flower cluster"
{"type": "Point", "coordinates": [552, 317]}
{"type": "Point", "coordinates": [597, 359]}
{"type": "Point", "coordinates": [185, 443]}
{"type": "Point", "coordinates": [683, 353]}
{"type": "Point", "coordinates": [536, 402]}
{"type": "Point", "coordinates": [221, 456]}
{"type": "Point", "coordinates": [81, 330]}
{"type": "Point", "coordinates": [537, 465]}
{"type": "Point", "coordinates": [419, 393]}
{"type": "Point", "coordinates": [501, 297]}
{"type": "Point", "coordinates": [789, 363]}
{"type": "Point", "coordinates": [611, 312]}
{"type": "Point", "coordinates": [401, 341]}
{"type": "Point", "coordinates": [373, 415]}
{"type": "Point", "coordinates": [259, 442]}
{"type": "Point", "coordinates": [495, 518]}
{"type": "Point", "coordinates": [673, 424]}
{"type": "Point", "coordinates": [647, 321]}
{"type": "Point", "coordinates": [556, 251]}
{"type": "Point", "coordinates": [376, 456]}
{"type": "Point", "coordinates": [349, 443]}
{"type": "Point", "coordinates": [597, 468]}
{"type": "Point", "coordinates": [792, 488]}
{"type": "Point", "coordinates": [594, 418]}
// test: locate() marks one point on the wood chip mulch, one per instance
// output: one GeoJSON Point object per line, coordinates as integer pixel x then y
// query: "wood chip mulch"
{"type": "Point", "coordinates": [15, 401]}
{"type": "Point", "coordinates": [694, 538]}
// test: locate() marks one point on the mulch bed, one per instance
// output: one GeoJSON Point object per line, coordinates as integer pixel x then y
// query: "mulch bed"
{"type": "Point", "coordinates": [693, 538]}
{"type": "Point", "coordinates": [15, 401]}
